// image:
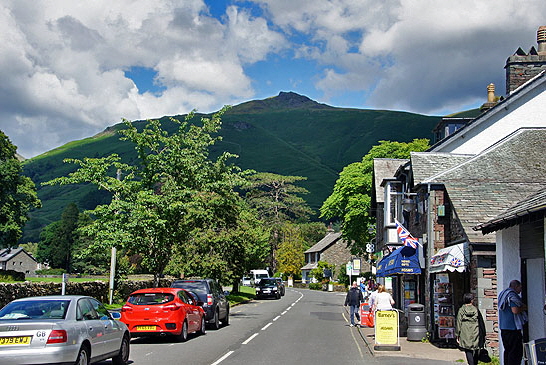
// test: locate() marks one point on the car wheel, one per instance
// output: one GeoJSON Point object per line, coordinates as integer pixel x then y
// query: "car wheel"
{"type": "Point", "coordinates": [216, 321]}
{"type": "Point", "coordinates": [122, 357]}
{"type": "Point", "coordinates": [202, 330]}
{"type": "Point", "coordinates": [183, 336]}
{"type": "Point", "coordinates": [225, 321]}
{"type": "Point", "coordinates": [83, 356]}
{"type": "Point", "coordinates": [278, 295]}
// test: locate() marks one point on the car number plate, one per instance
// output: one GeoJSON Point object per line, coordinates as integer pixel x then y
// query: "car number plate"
{"type": "Point", "coordinates": [22, 340]}
{"type": "Point", "coordinates": [145, 328]}
{"type": "Point", "coordinates": [267, 291]}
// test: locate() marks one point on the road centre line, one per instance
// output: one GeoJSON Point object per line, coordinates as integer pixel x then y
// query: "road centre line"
{"type": "Point", "coordinates": [274, 319]}
{"type": "Point", "coordinates": [283, 313]}
{"type": "Point", "coordinates": [267, 325]}
{"type": "Point", "coordinates": [250, 338]}
{"type": "Point", "coordinates": [222, 358]}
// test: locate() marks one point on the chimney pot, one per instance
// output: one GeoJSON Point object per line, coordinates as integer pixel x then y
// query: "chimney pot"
{"type": "Point", "coordinates": [541, 40]}
{"type": "Point", "coordinates": [491, 93]}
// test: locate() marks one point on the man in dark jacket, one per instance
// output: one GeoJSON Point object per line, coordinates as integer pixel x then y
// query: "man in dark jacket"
{"type": "Point", "coordinates": [353, 299]}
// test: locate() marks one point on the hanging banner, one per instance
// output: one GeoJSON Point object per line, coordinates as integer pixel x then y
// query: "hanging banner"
{"type": "Point", "coordinates": [386, 330]}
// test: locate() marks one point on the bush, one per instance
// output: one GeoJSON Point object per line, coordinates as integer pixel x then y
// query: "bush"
{"type": "Point", "coordinates": [315, 286]}
{"type": "Point", "coordinates": [12, 275]}
{"type": "Point", "coordinates": [50, 272]}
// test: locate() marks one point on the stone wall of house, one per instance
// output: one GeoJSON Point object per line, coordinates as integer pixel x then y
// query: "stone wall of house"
{"type": "Point", "coordinates": [22, 263]}
{"type": "Point", "coordinates": [520, 69]}
{"type": "Point", "coordinates": [484, 286]}
{"type": "Point", "coordinates": [339, 254]}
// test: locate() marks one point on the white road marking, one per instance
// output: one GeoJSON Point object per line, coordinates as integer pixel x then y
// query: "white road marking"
{"type": "Point", "coordinates": [250, 338]}
{"type": "Point", "coordinates": [267, 325]}
{"type": "Point", "coordinates": [283, 313]}
{"type": "Point", "coordinates": [222, 358]}
{"type": "Point", "coordinates": [274, 319]}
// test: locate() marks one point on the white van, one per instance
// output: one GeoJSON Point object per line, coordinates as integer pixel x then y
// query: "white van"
{"type": "Point", "coordinates": [257, 275]}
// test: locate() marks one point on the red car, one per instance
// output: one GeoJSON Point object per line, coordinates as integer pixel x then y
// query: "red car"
{"type": "Point", "coordinates": [163, 311]}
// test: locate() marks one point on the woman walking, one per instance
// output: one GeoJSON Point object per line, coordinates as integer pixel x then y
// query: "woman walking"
{"type": "Point", "coordinates": [383, 299]}
{"type": "Point", "coordinates": [470, 331]}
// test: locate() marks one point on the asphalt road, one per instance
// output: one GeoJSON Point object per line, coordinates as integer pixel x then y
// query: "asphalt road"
{"type": "Point", "coordinates": [304, 327]}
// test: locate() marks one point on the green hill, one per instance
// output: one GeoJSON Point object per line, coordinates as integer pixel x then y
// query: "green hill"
{"type": "Point", "coordinates": [288, 134]}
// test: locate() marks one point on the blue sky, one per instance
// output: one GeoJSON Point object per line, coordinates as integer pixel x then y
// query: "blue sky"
{"type": "Point", "coordinates": [70, 69]}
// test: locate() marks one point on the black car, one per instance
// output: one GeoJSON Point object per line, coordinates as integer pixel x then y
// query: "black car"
{"type": "Point", "coordinates": [268, 287]}
{"type": "Point", "coordinates": [211, 297]}
{"type": "Point", "coordinates": [281, 286]}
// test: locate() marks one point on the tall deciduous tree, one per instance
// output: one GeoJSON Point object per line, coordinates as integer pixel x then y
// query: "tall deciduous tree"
{"type": "Point", "coordinates": [57, 240]}
{"type": "Point", "coordinates": [173, 189]}
{"type": "Point", "coordinates": [17, 194]}
{"type": "Point", "coordinates": [290, 256]}
{"type": "Point", "coordinates": [277, 200]}
{"type": "Point", "coordinates": [350, 202]}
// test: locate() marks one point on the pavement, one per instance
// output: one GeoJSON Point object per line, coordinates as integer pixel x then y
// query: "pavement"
{"type": "Point", "coordinates": [440, 352]}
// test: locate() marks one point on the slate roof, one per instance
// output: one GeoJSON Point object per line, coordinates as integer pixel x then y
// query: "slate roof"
{"type": "Point", "coordinates": [7, 253]}
{"type": "Point", "coordinates": [329, 239]}
{"type": "Point", "coordinates": [384, 168]}
{"type": "Point", "coordinates": [425, 164]}
{"type": "Point", "coordinates": [533, 204]}
{"type": "Point", "coordinates": [487, 184]}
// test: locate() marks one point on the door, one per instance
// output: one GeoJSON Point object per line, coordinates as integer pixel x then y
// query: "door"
{"type": "Point", "coordinates": [93, 326]}
{"type": "Point", "coordinates": [111, 329]}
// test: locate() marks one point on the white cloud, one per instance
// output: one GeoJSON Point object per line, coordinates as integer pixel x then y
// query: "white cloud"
{"type": "Point", "coordinates": [63, 63]}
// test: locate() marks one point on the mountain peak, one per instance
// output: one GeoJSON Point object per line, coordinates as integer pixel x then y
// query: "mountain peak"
{"type": "Point", "coordinates": [284, 101]}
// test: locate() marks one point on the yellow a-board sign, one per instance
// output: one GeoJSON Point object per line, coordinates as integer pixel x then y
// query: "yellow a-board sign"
{"type": "Point", "coordinates": [386, 330]}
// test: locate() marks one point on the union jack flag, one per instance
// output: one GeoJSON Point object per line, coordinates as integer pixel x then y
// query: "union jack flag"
{"type": "Point", "coordinates": [404, 235]}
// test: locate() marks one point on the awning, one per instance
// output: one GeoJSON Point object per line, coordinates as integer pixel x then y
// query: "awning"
{"type": "Point", "coordinates": [452, 258]}
{"type": "Point", "coordinates": [403, 260]}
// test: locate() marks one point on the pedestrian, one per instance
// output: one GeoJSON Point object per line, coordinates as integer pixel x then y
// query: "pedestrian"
{"type": "Point", "coordinates": [353, 299]}
{"type": "Point", "coordinates": [383, 299]}
{"type": "Point", "coordinates": [363, 287]}
{"type": "Point", "coordinates": [512, 317]}
{"type": "Point", "coordinates": [470, 329]}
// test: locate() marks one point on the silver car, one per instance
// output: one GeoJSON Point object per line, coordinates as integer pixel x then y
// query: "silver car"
{"type": "Point", "coordinates": [68, 329]}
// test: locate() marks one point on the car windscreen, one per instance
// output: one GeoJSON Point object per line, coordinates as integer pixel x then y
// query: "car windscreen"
{"type": "Point", "coordinates": [267, 282]}
{"type": "Point", "coordinates": [150, 298]}
{"type": "Point", "coordinates": [198, 287]}
{"type": "Point", "coordinates": [260, 276]}
{"type": "Point", "coordinates": [35, 309]}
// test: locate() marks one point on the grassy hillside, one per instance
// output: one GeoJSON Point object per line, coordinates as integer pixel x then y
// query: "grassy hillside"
{"type": "Point", "coordinates": [288, 134]}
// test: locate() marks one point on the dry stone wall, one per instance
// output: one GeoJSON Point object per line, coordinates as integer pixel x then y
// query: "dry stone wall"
{"type": "Point", "coordinates": [96, 289]}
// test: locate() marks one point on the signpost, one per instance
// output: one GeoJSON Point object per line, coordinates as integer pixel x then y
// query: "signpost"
{"type": "Point", "coordinates": [63, 285]}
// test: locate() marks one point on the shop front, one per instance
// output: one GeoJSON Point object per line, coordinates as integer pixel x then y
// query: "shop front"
{"type": "Point", "coordinates": [450, 279]}
{"type": "Point", "coordinates": [403, 269]}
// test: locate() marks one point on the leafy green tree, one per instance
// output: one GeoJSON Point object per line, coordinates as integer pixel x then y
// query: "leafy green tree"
{"type": "Point", "coordinates": [290, 257]}
{"type": "Point", "coordinates": [17, 194]}
{"type": "Point", "coordinates": [350, 202]}
{"type": "Point", "coordinates": [223, 252]}
{"type": "Point", "coordinates": [57, 240]}
{"type": "Point", "coordinates": [277, 200]}
{"type": "Point", "coordinates": [172, 190]}
{"type": "Point", "coordinates": [318, 272]}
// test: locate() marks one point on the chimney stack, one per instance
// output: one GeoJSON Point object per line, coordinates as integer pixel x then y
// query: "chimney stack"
{"type": "Point", "coordinates": [490, 98]}
{"type": "Point", "coordinates": [522, 67]}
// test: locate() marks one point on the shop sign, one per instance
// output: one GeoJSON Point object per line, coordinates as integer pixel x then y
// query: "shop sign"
{"type": "Point", "coordinates": [386, 327]}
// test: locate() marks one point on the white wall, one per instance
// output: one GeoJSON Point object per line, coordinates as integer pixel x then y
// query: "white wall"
{"type": "Point", "coordinates": [526, 110]}
{"type": "Point", "coordinates": [508, 264]}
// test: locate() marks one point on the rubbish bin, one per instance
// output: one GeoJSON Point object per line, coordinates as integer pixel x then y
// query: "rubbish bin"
{"type": "Point", "coordinates": [416, 322]}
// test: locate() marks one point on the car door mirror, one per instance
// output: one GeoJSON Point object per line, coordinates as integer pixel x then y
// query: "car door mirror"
{"type": "Point", "coordinates": [116, 315]}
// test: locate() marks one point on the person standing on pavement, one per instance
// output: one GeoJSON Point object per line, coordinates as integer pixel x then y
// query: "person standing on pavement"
{"type": "Point", "coordinates": [353, 299]}
{"type": "Point", "coordinates": [470, 329]}
{"type": "Point", "coordinates": [512, 317]}
{"type": "Point", "coordinates": [383, 299]}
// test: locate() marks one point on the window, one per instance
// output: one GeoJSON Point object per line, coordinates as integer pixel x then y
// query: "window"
{"type": "Point", "coordinates": [393, 202]}
{"type": "Point", "coordinates": [100, 309]}
{"type": "Point", "coordinates": [85, 310]}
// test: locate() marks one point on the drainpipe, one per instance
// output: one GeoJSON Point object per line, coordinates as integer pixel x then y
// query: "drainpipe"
{"type": "Point", "coordinates": [429, 253]}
